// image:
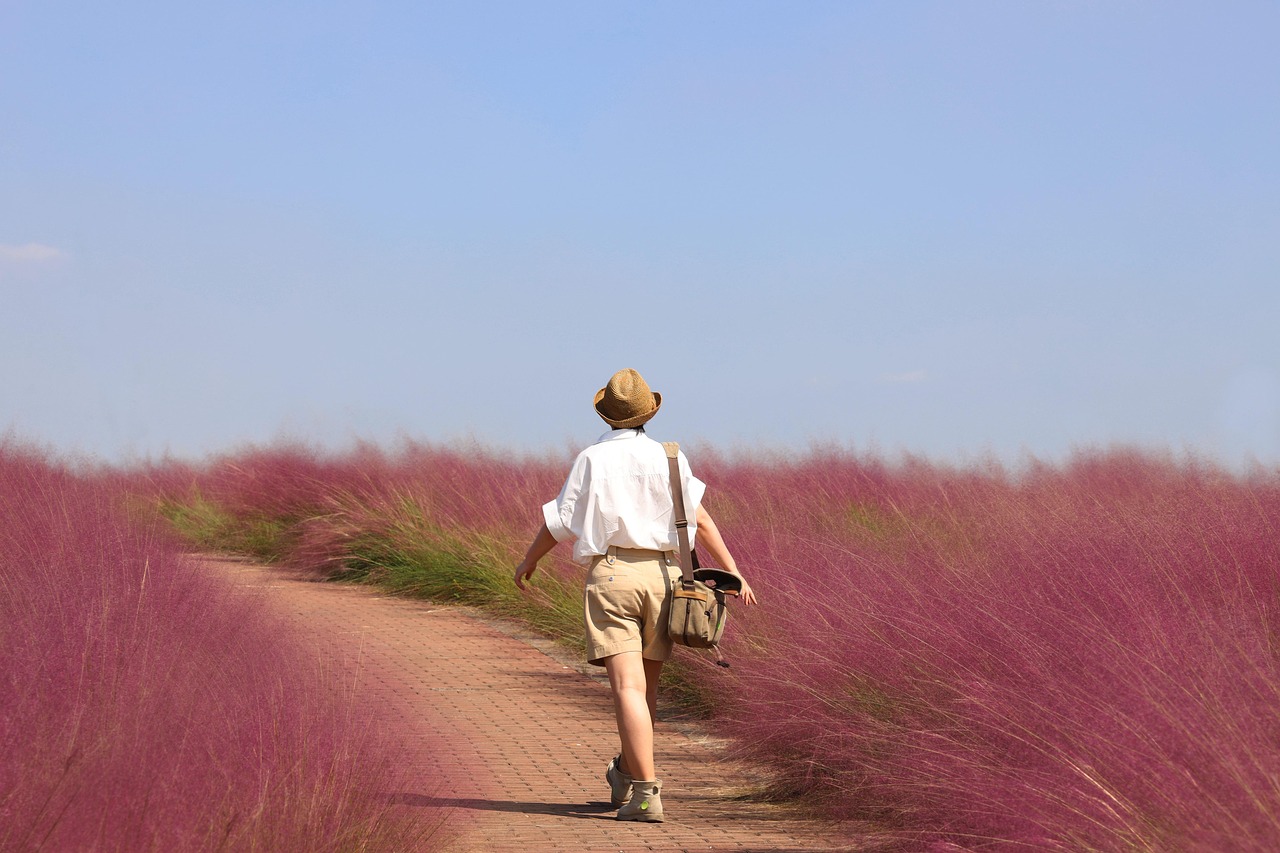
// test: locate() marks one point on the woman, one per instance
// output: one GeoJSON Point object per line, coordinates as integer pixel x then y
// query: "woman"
{"type": "Point", "coordinates": [616, 507]}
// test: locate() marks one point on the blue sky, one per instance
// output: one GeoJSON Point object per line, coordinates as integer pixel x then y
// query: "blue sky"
{"type": "Point", "coordinates": [946, 228]}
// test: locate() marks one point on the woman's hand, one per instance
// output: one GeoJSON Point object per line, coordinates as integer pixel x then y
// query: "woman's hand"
{"type": "Point", "coordinates": [542, 544]}
{"type": "Point", "coordinates": [748, 595]}
{"type": "Point", "coordinates": [524, 572]}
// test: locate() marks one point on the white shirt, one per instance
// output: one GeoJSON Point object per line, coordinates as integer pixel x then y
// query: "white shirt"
{"type": "Point", "coordinates": [619, 493]}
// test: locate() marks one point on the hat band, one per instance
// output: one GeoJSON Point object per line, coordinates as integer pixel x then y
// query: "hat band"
{"type": "Point", "coordinates": [625, 418]}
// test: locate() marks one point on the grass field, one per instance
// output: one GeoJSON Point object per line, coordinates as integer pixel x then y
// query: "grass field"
{"type": "Point", "coordinates": [147, 706]}
{"type": "Point", "coordinates": [1077, 657]}
{"type": "Point", "coordinates": [1073, 657]}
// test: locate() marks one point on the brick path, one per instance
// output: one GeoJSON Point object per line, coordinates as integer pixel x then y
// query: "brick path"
{"type": "Point", "coordinates": [527, 734]}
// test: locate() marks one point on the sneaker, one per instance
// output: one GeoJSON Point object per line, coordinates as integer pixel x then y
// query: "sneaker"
{"type": "Point", "coordinates": [619, 783]}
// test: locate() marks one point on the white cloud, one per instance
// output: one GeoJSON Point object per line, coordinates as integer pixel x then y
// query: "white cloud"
{"type": "Point", "coordinates": [29, 253]}
{"type": "Point", "coordinates": [911, 376]}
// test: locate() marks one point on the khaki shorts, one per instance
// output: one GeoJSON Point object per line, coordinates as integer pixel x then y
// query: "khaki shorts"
{"type": "Point", "coordinates": [626, 603]}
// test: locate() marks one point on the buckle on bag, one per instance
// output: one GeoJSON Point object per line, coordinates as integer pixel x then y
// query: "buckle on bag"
{"type": "Point", "coordinates": [691, 592]}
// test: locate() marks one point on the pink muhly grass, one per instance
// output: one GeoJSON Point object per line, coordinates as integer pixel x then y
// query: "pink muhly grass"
{"type": "Point", "coordinates": [147, 706]}
{"type": "Point", "coordinates": [1075, 657]}
{"type": "Point", "coordinates": [1078, 659]}
{"type": "Point", "coordinates": [334, 504]}
{"type": "Point", "coordinates": [462, 486]}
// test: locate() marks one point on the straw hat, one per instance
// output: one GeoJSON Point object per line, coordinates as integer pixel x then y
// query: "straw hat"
{"type": "Point", "coordinates": [627, 401]}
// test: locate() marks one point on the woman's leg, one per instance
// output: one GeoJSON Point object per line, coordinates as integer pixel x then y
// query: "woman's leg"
{"type": "Point", "coordinates": [633, 707]}
{"type": "Point", "coordinates": [652, 671]}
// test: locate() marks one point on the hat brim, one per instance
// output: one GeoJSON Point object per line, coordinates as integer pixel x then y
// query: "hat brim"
{"type": "Point", "coordinates": [634, 420]}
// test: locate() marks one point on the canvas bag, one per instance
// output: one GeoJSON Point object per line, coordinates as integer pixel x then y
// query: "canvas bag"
{"type": "Point", "coordinates": [698, 612]}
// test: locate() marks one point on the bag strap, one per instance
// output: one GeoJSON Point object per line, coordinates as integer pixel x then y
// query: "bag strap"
{"type": "Point", "coordinates": [682, 523]}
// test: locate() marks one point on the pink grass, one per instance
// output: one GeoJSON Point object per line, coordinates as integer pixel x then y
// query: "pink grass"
{"type": "Point", "coordinates": [146, 706]}
{"type": "Point", "coordinates": [1079, 659]}
{"type": "Point", "coordinates": [1076, 657]}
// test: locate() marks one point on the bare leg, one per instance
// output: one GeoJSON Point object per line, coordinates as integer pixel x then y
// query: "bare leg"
{"type": "Point", "coordinates": [652, 671]}
{"type": "Point", "coordinates": [632, 705]}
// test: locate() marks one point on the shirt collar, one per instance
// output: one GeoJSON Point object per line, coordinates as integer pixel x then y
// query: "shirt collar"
{"type": "Point", "coordinates": [615, 434]}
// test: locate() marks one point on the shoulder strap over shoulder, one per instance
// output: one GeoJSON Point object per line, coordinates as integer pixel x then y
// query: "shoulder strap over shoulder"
{"type": "Point", "coordinates": [682, 523]}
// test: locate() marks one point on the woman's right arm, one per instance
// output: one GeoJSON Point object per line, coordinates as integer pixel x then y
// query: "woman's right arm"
{"type": "Point", "coordinates": [557, 519]}
{"type": "Point", "coordinates": [539, 548]}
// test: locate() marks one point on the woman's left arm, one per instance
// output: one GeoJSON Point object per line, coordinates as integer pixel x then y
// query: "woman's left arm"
{"type": "Point", "coordinates": [709, 537]}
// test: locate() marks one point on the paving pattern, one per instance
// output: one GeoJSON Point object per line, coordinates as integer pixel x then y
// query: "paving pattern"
{"type": "Point", "coordinates": [528, 733]}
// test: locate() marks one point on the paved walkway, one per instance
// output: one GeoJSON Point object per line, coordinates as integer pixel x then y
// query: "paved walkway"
{"type": "Point", "coordinates": [527, 736]}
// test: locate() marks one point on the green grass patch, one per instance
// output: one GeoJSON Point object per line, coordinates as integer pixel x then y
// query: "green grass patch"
{"type": "Point", "coordinates": [209, 526]}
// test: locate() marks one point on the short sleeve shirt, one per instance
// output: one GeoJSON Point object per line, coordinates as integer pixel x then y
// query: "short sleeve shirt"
{"type": "Point", "coordinates": [618, 493]}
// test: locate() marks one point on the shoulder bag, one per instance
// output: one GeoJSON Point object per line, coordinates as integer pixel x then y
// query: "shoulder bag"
{"type": "Point", "coordinates": [698, 611]}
